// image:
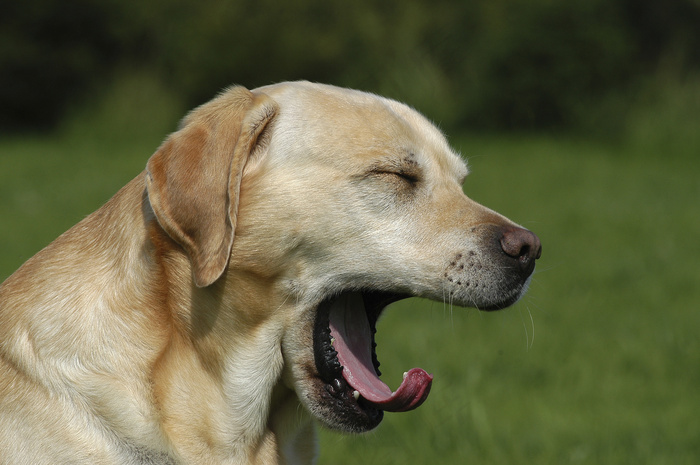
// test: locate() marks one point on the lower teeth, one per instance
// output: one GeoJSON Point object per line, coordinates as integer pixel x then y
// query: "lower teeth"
{"type": "Point", "coordinates": [338, 385]}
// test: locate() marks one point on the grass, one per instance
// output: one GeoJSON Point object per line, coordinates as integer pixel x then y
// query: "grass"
{"type": "Point", "coordinates": [600, 362]}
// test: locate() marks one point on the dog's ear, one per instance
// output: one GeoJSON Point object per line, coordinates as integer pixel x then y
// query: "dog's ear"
{"type": "Point", "coordinates": [194, 178]}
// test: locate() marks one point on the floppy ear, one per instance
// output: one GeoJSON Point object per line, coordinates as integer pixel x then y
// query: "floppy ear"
{"type": "Point", "coordinates": [194, 178]}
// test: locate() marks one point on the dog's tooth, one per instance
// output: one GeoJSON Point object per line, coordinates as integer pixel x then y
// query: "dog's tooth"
{"type": "Point", "coordinates": [332, 340]}
{"type": "Point", "coordinates": [338, 385]}
{"type": "Point", "coordinates": [356, 394]}
{"type": "Point", "coordinates": [405, 373]}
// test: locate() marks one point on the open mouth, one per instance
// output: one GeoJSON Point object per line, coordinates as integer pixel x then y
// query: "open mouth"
{"type": "Point", "coordinates": [346, 361]}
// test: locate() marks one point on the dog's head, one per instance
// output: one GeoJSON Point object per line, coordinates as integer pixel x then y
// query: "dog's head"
{"type": "Point", "coordinates": [342, 202]}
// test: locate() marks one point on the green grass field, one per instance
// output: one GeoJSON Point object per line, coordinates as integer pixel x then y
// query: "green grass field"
{"type": "Point", "coordinates": [600, 362]}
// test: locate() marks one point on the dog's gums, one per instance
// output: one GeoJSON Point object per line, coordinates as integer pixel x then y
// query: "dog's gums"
{"type": "Point", "coordinates": [352, 340]}
{"type": "Point", "coordinates": [347, 362]}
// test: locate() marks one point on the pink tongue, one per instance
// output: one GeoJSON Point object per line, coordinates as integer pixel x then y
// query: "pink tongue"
{"type": "Point", "coordinates": [353, 339]}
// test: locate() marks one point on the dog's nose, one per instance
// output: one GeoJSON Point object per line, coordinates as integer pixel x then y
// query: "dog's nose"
{"type": "Point", "coordinates": [522, 245]}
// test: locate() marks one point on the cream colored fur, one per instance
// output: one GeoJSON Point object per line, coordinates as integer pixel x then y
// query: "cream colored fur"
{"type": "Point", "coordinates": [174, 324]}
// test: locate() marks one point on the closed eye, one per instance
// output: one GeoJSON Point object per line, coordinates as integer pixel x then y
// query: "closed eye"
{"type": "Point", "coordinates": [402, 175]}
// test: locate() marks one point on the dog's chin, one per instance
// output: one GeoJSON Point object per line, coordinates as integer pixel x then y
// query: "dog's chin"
{"type": "Point", "coordinates": [337, 409]}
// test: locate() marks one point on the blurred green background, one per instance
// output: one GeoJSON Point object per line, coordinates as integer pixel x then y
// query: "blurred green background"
{"type": "Point", "coordinates": [580, 120]}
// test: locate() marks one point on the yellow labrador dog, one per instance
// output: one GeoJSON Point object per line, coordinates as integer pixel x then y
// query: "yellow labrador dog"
{"type": "Point", "coordinates": [225, 300]}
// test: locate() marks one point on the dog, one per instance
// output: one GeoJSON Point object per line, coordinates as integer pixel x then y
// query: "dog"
{"type": "Point", "coordinates": [224, 301]}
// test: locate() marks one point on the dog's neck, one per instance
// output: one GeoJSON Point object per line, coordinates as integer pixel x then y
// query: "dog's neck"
{"type": "Point", "coordinates": [232, 403]}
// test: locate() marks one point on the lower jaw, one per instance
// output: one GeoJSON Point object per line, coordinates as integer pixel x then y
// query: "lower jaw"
{"type": "Point", "coordinates": [346, 414]}
{"type": "Point", "coordinates": [338, 409]}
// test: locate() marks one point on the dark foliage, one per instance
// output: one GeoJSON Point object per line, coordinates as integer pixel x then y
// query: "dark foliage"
{"type": "Point", "coordinates": [494, 64]}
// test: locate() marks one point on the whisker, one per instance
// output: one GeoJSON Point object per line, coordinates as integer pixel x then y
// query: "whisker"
{"type": "Point", "coordinates": [527, 334]}
{"type": "Point", "coordinates": [550, 267]}
{"type": "Point", "coordinates": [532, 323]}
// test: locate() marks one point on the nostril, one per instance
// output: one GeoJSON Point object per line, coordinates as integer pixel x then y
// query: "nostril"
{"type": "Point", "coordinates": [524, 251]}
{"type": "Point", "coordinates": [522, 245]}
